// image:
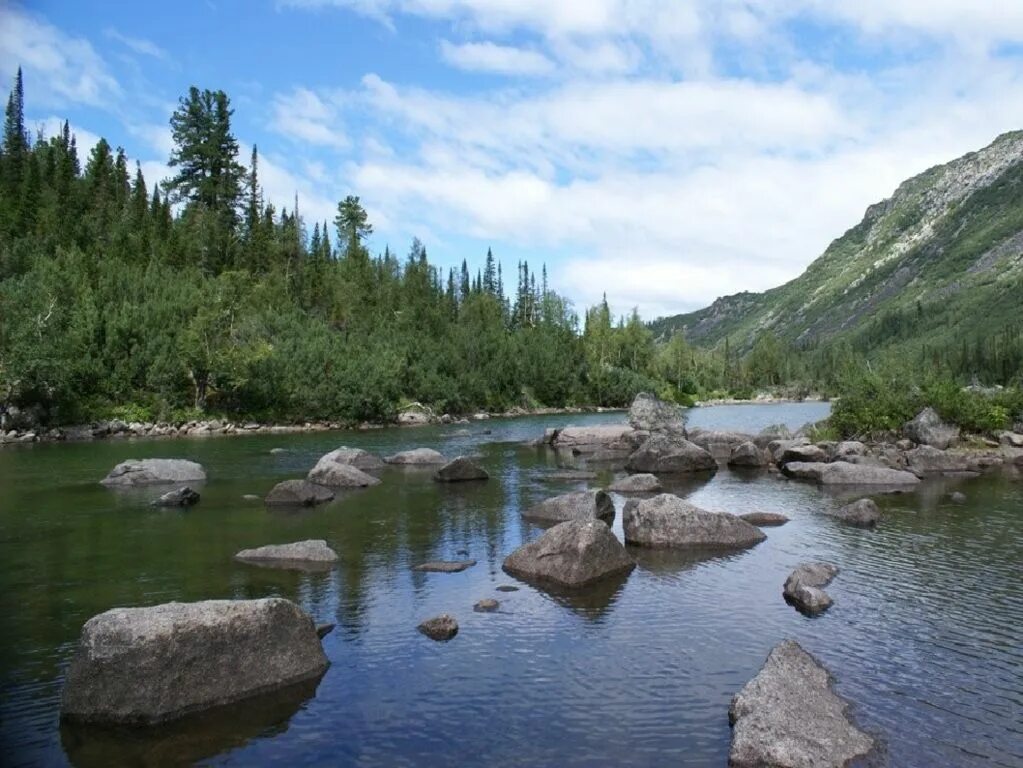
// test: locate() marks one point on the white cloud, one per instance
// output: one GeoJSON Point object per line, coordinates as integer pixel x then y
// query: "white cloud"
{"type": "Point", "coordinates": [304, 117]}
{"type": "Point", "coordinates": [498, 59]}
{"type": "Point", "coordinates": [139, 45]}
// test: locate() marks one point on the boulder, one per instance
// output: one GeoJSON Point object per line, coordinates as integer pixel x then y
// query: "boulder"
{"type": "Point", "coordinates": [486, 605]}
{"type": "Point", "coordinates": [415, 415]}
{"type": "Point", "coordinates": [179, 497]}
{"type": "Point", "coordinates": [844, 473]}
{"type": "Point", "coordinates": [927, 428]}
{"type": "Point", "coordinates": [571, 555]}
{"type": "Point", "coordinates": [806, 453]}
{"type": "Point", "coordinates": [667, 521]}
{"type": "Point", "coordinates": [788, 716]}
{"type": "Point", "coordinates": [764, 519]}
{"type": "Point", "coordinates": [445, 566]}
{"type": "Point", "coordinates": [718, 443]}
{"type": "Point", "coordinates": [154, 472]}
{"type": "Point", "coordinates": [417, 456]}
{"type": "Point", "coordinates": [661, 454]}
{"type": "Point", "coordinates": [309, 551]}
{"type": "Point", "coordinates": [356, 457]}
{"type": "Point", "coordinates": [746, 454]}
{"type": "Point", "coordinates": [620, 438]}
{"type": "Point", "coordinates": [334, 475]}
{"type": "Point", "coordinates": [771, 433]}
{"type": "Point", "coordinates": [849, 448]}
{"type": "Point", "coordinates": [641, 483]}
{"type": "Point", "coordinates": [804, 587]}
{"type": "Point", "coordinates": [298, 493]}
{"type": "Point", "coordinates": [581, 505]}
{"type": "Point", "coordinates": [1010, 439]}
{"type": "Point", "coordinates": [441, 628]}
{"type": "Point", "coordinates": [460, 470]}
{"type": "Point", "coordinates": [149, 665]}
{"type": "Point", "coordinates": [958, 497]}
{"type": "Point", "coordinates": [651, 414]}
{"type": "Point", "coordinates": [863, 513]}
{"type": "Point", "coordinates": [926, 460]}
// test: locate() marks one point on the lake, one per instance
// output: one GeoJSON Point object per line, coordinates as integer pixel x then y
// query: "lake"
{"type": "Point", "coordinates": [925, 638]}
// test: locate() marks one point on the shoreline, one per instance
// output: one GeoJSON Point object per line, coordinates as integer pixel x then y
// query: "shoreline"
{"type": "Point", "coordinates": [768, 400]}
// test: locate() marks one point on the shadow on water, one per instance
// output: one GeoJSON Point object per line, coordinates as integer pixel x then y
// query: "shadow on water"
{"type": "Point", "coordinates": [189, 740]}
{"type": "Point", "coordinates": [593, 602]}
{"type": "Point", "coordinates": [676, 561]}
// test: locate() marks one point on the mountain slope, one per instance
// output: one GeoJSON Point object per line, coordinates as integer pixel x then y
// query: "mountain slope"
{"type": "Point", "coordinates": [942, 257]}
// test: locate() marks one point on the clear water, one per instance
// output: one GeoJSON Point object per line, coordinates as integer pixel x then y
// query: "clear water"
{"type": "Point", "coordinates": [924, 638]}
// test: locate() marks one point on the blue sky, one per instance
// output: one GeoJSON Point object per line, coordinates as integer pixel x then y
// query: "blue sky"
{"type": "Point", "coordinates": [665, 152]}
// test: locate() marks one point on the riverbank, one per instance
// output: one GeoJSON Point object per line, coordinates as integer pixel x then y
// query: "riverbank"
{"type": "Point", "coordinates": [760, 400]}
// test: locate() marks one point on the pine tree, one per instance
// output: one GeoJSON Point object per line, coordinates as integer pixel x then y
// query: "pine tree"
{"type": "Point", "coordinates": [490, 275]}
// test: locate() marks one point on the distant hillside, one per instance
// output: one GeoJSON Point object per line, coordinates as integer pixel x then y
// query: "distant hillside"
{"type": "Point", "coordinates": [942, 258]}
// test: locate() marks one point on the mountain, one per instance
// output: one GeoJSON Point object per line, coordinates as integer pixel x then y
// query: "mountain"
{"type": "Point", "coordinates": [938, 261]}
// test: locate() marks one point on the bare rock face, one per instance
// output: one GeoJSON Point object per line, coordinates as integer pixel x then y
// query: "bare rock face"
{"type": "Point", "coordinates": [298, 493]}
{"type": "Point", "coordinates": [641, 483]}
{"type": "Point", "coordinates": [664, 455]}
{"type": "Point", "coordinates": [927, 428]}
{"type": "Point", "coordinates": [441, 628]}
{"type": "Point", "coordinates": [149, 665]}
{"type": "Point", "coordinates": [460, 470]}
{"type": "Point", "coordinates": [417, 456]}
{"type": "Point", "coordinates": [445, 566]}
{"type": "Point", "coordinates": [179, 497]}
{"type": "Point", "coordinates": [571, 555]}
{"type": "Point", "coordinates": [844, 473]}
{"type": "Point", "coordinates": [416, 415]}
{"type": "Point", "coordinates": [651, 414]}
{"type": "Point", "coordinates": [581, 505]}
{"type": "Point", "coordinates": [764, 519]}
{"type": "Point", "coordinates": [848, 448]}
{"type": "Point", "coordinates": [746, 455]}
{"type": "Point", "coordinates": [356, 457]}
{"type": "Point", "coordinates": [309, 551]}
{"type": "Point", "coordinates": [863, 513]}
{"type": "Point", "coordinates": [666, 521]}
{"type": "Point", "coordinates": [154, 472]}
{"type": "Point", "coordinates": [926, 460]}
{"type": "Point", "coordinates": [335, 475]}
{"type": "Point", "coordinates": [804, 587]}
{"type": "Point", "coordinates": [788, 717]}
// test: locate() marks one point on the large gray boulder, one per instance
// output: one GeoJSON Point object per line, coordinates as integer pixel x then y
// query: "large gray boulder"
{"type": "Point", "coordinates": [771, 433]}
{"type": "Point", "coordinates": [927, 428]}
{"type": "Point", "coordinates": [335, 475]}
{"type": "Point", "coordinates": [747, 454]}
{"type": "Point", "coordinates": [844, 473]}
{"type": "Point", "coordinates": [667, 521]}
{"type": "Point", "coordinates": [615, 438]}
{"type": "Point", "coordinates": [580, 505]}
{"type": "Point", "coordinates": [571, 555]}
{"type": "Point", "coordinates": [314, 551]}
{"type": "Point", "coordinates": [806, 453]}
{"type": "Point", "coordinates": [662, 454]}
{"type": "Point", "coordinates": [416, 415]}
{"type": "Point", "coordinates": [863, 513]}
{"type": "Point", "coordinates": [849, 448]}
{"type": "Point", "coordinates": [927, 460]}
{"type": "Point", "coordinates": [149, 665]}
{"type": "Point", "coordinates": [356, 457]}
{"type": "Point", "coordinates": [154, 472]}
{"type": "Point", "coordinates": [460, 470]}
{"type": "Point", "coordinates": [640, 483]}
{"type": "Point", "coordinates": [804, 587]}
{"type": "Point", "coordinates": [417, 457]}
{"type": "Point", "coordinates": [789, 717]}
{"type": "Point", "coordinates": [298, 493]}
{"type": "Point", "coordinates": [651, 414]}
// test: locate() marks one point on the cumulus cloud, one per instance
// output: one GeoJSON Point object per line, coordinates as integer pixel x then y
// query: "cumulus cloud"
{"type": "Point", "coordinates": [303, 116]}
{"type": "Point", "coordinates": [498, 59]}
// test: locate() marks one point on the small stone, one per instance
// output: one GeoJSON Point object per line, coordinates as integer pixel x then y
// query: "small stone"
{"type": "Point", "coordinates": [958, 497]}
{"type": "Point", "coordinates": [804, 587]}
{"type": "Point", "coordinates": [445, 566]}
{"type": "Point", "coordinates": [441, 628]}
{"type": "Point", "coordinates": [764, 519]}
{"type": "Point", "coordinates": [487, 605]}
{"type": "Point", "coordinates": [179, 497]}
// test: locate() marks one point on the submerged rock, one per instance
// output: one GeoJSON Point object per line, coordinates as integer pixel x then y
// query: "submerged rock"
{"type": "Point", "coordinates": [844, 473]}
{"type": "Point", "coordinates": [460, 470]}
{"type": "Point", "coordinates": [764, 519]}
{"type": "Point", "coordinates": [309, 551]}
{"type": "Point", "coordinates": [863, 513]}
{"type": "Point", "coordinates": [927, 428]}
{"type": "Point", "coordinates": [573, 554]}
{"type": "Point", "coordinates": [958, 497]}
{"type": "Point", "coordinates": [486, 605]}
{"type": "Point", "coordinates": [356, 457]}
{"type": "Point", "coordinates": [335, 475]}
{"type": "Point", "coordinates": [667, 521]}
{"type": "Point", "coordinates": [507, 588]}
{"type": "Point", "coordinates": [445, 566]}
{"type": "Point", "coordinates": [154, 472]}
{"type": "Point", "coordinates": [803, 587]}
{"type": "Point", "coordinates": [417, 456]}
{"type": "Point", "coordinates": [640, 483]}
{"type": "Point", "coordinates": [746, 454]}
{"type": "Point", "coordinates": [665, 455]}
{"type": "Point", "coordinates": [179, 497]}
{"type": "Point", "coordinates": [581, 505]}
{"type": "Point", "coordinates": [789, 717]}
{"type": "Point", "coordinates": [569, 474]}
{"type": "Point", "coordinates": [298, 493]}
{"type": "Point", "coordinates": [441, 628]}
{"type": "Point", "coordinates": [149, 665]}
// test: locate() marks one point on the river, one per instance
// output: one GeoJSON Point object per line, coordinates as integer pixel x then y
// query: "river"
{"type": "Point", "coordinates": [925, 638]}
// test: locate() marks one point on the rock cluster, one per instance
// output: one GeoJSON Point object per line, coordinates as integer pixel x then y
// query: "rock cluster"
{"type": "Point", "coordinates": [804, 587]}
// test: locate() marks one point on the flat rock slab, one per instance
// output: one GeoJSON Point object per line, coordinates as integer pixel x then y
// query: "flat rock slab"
{"type": "Point", "coordinates": [445, 566]}
{"type": "Point", "coordinates": [336, 475]}
{"type": "Point", "coordinates": [441, 628]}
{"type": "Point", "coordinates": [461, 470]}
{"type": "Point", "coordinates": [571, 555]}
{"type": "Point", "coordinates": [149, 665]}
{"type": "Point", "coordinates": [863, 513]}
{"type": "Point", "coordinates": [154, 472]}
{"type": "Point", "coordinates": [313, 551]}
{"type": "Point", "coordinates": [667, 521]}
{"type": "Point", "coordinates": [764, 519]}
{"type": "Point", "coordinates": [179, 497]}
{"type": "Point", "coordinates": [788, 716]}
{"type": "Point", "coordinates": [580, 505]}
{"type": "Point", "coordinates": [844, 473]}
{"type": "Point", "coordinates": [588, 439]}
{"type": "Point", "coordinates": [804, 587]}
{"type": "Point", "coordinates": [643, 482]}
{"type": "Point", "coordinates": [298, 493]}
{"type": "Point", "coordinates": [355, 457]}
{"type": "Point", "coordinates": [417, 457]}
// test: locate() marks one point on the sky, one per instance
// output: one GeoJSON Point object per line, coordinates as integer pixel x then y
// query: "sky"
{"type": "Point", "coordinates": [664, 152]}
